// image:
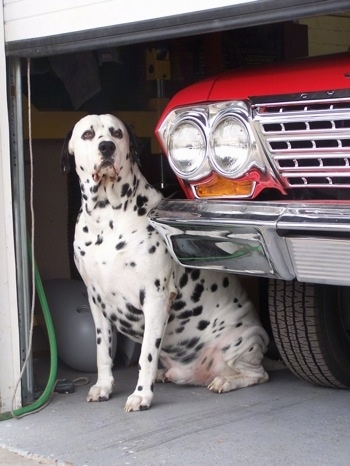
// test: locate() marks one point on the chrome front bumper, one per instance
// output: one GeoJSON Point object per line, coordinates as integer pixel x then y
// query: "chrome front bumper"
{"type": "Point", "coordinates": [306, 241]}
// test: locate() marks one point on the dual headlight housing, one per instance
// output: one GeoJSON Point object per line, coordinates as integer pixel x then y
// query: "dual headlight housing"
{"type": "Point", "coordinates": [210, 139]}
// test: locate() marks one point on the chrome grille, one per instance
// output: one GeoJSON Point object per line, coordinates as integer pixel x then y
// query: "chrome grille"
{"type": "Point", "coordinates": [307, 143]}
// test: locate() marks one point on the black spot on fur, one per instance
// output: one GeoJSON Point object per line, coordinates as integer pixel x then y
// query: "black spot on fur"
{"type": "Point", "coordinates": [239, 324]}
{"type": "Point", "coordinates": [140, 388]}
{"type": "Point", "coordinates": [142, 211]}
{"type": "Point", "coordinates": [99, 240]}
{"type": "Point", "coordinates": [111, 224]}
{"type": "Point", "coordinates": [149, 357]}
{"type": "Point", "coordinates": [102, 204]}
{"type": "Point", "coordinates": [225, 282]}
{"type": "Point", "coordinates": [192, 343]}
{"type": "Point", "coordinates": [113, 317]}
{"type": "Point", "coordinates": [98, 340]}
{"type": "Point", "coordinates": [203, 324]}
{"type": "Point", "coordinates": [132, 317]}
{"type": "Point", "coordinates": [88, 243]}
{"type": "Point", "coordinates": [132, 264]}
{"type": "Point", "coordinates": [199, 347]}
{"type": "Point", "coordinates": [142, 296]}
{"type": "Point", "coordinates": [209, 365]}
{"type": "Point", "coordinates": [152, 250]}
{"type": "Point", "coordinates": [189, 358]}
{"type": "Point", "coordinates": [197, 293]}
{"type": "Point", "coordinates": [214, 287]}
{"type": "Point", "coordinates": [120, 245]}
{"type": "Point", "coordinates": [141, 200]}
{"type": "Point", "coordinates": [85, 229]}
{"type": "Point", "coordinates": [125, 323]}
{"type": "Point", "coordinates": [157, 283]}
{"type": "Point", "coordinates": [183, 280]}
{"type": "Point", "coordinates": [158, 340]}
{"type": "Point", "coordinates": [225, 348]}
{"type": "Point", "coordinates": [195, 274]}
{"type": "Point", "coordinates": [125, 189]}
{"type": "Point", "coordinates": [133, 309]}
{"type": "Point", "coordinates": [239, 341]}
{"type": "Point", "coordinates": [152, 387]}
{"type": "Point", "coordinates": [178, 305]}
{"type": "Point", "coordinates": [185, 314]}
{"type": "Point", "coordinates": [131, 332]}
{"type": "Point", "coordinates": [197, 311]}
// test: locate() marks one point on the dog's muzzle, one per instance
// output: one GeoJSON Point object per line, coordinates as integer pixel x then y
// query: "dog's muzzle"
{"type": "Point", "coordinates": [107, 150]}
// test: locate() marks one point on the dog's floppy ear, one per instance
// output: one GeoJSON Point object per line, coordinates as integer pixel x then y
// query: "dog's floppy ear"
{"type": "Point", "coordinates": [136, 146]}
{"type": "Point", "coordinates": [65, 157]}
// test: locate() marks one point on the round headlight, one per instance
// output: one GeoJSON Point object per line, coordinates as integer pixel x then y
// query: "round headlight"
{"type": "Point", "coordinates": [187, 147]}
{"type": "Point", "coordinates": [230, 145]}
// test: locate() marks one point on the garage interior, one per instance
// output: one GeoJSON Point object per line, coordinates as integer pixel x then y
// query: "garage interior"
{"type": "Point", "coordinates": [135, 82]}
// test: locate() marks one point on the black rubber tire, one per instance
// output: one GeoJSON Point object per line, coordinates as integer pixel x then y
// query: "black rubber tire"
{"type": "Point", "coordinates": [309, 332]}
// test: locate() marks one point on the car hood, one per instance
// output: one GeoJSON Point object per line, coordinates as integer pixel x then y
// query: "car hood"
{"type": "Point", "coordinates": [326, 73]}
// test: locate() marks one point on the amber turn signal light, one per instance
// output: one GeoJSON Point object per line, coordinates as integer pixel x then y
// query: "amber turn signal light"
{"type": "Point", "coordinates": [224, 187]}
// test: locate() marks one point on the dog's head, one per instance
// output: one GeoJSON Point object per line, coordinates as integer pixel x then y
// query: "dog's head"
{"type": "Point", "coordinates": [101, 145]}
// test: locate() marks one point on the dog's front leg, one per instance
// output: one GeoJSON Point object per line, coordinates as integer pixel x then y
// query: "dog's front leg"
{"type": "Point", "coordinates": [104, 385]}
{"type": "Point", "coordinates": [156, 312]}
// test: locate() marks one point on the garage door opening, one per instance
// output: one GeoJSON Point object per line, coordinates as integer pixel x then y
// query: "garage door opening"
{"type": "Point", "coordinates": [134, 82]}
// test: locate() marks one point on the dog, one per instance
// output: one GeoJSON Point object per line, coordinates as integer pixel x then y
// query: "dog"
{"type": "Point", "coordinates": [198, 324]}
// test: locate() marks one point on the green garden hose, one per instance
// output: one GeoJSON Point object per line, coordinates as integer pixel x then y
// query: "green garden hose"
{"type": "Point", "coordinates": [45, 396]}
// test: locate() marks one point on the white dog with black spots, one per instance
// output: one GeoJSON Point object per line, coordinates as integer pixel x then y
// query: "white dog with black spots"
{"type": "Point", "coordinates": [199, 324]}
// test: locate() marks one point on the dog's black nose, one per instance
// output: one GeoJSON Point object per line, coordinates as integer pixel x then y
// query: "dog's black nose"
{"type": "Point", "coordinates": [106, 148]}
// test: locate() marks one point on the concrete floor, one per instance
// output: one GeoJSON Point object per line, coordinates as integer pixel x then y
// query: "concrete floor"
{"type": "Point", "coordinates": [285, 421]}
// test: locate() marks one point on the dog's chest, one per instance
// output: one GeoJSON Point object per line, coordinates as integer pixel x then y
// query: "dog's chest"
{"type": "Point", "coordinates": [117, 255]}
{"type": "Point", "coordinates": [108, 245]}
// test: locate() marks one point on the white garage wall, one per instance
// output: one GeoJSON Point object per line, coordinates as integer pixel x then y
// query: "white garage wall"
{"type": "Point", "coordinates": [9, 334]}
{"type": "Point", "coordinates": [25, 19]}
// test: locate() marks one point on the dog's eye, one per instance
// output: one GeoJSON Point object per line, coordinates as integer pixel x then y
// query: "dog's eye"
{"type": "Point", "coordinates": [88, 134]}
{"type": "Point", "coordinates": [116, 133]}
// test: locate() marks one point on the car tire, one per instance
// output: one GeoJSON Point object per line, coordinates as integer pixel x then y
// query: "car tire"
{"type": "Point", "coordinates": [309, 329]}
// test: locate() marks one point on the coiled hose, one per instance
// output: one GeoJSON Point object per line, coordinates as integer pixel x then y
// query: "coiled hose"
{"type": "Point", "coordinates": [46, 395]}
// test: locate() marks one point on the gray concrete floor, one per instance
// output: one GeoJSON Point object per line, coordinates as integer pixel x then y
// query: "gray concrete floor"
{"type": "Point", "coordinates": [285, 421]}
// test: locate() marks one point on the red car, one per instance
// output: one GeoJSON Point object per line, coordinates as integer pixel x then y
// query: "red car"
{"type": "Point", "coordinates": [263, 154]}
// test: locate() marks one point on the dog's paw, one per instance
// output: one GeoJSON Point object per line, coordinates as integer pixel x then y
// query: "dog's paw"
{"type": "Point", "coordinates": [98, 393]}
{"type": "Point", "coordinates": [226, 384]}
{"type": "Point", "coordinates": [161, 376]}
{"type": "Point", "coordinates": [221, 385]}
{"type": "Point", "coordinates": [137, 403]}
